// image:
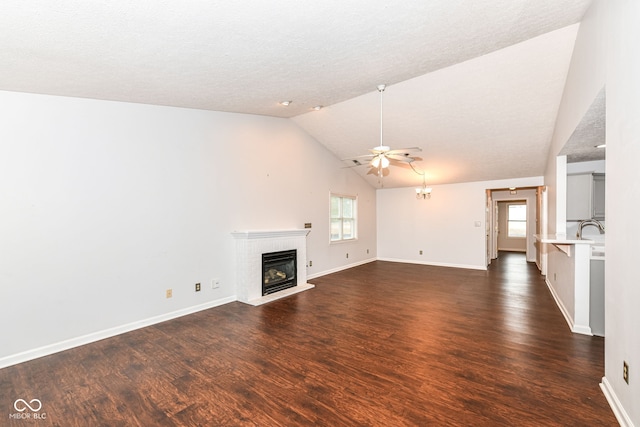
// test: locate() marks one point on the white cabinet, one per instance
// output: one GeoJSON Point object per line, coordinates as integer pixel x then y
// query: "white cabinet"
{"type": "Point", "coordinates": [597, 201]}
{"type": "Point", "coordinates": [585, 196]}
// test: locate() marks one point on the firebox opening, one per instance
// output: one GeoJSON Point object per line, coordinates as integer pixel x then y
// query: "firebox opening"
{"type": "Point", "coordinates": [278, 271]}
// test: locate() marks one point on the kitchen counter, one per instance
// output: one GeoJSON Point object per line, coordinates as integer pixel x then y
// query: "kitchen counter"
{"type": "Point", "coordinates": [562, 242]}
{"type": "Point", "coordinates": [562, 239]}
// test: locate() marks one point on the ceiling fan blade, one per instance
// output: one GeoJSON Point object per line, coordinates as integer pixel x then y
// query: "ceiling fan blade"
{"type": "Point", "coordinates": [401, 158]}
{"type": "Point", "coordinates": [405, 151]}
{"type": "Point", "coordinates": [355, 165]}
{"type": "Point", "coordinates": [365, 156]}
{"type": "Point", "coordinates": [359, 161]}
{"type": "Point", "coordinates": [378, 171]}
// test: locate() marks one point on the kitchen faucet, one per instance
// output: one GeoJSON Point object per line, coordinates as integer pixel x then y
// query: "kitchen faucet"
{"type": "Point", "coordinates": [586, 222]}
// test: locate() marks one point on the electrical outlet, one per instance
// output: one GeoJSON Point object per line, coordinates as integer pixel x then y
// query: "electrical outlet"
{"type": "Point", "coordinates": [554, 277]}
{"type": "Point", "coordinates": [347, 254]}
{"type": "Point", "coordinates": [169, 293]}
{"type": "Point", "coordinates": [215, 283]}
{"type": "Point", "coordinates": [625, 372]}
{"type": "Point", "coordinates": [197, 287]}
{"type": "Point", "coordinates": [367, 250]}
{"type": "Point", "coordinates": [421, 252]}
{"type": "Point", "coordinates": [310, 263]}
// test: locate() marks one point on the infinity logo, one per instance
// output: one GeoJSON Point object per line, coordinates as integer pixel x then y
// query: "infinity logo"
{"type": "Point", "coordinates": [26, 405]}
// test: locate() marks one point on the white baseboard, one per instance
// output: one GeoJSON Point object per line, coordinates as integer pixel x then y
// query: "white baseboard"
{"type": "Point", "coordinates": [435, 264]}
{"type": "Point", "coordinates": [46, 350]}
{"type": "Point", "coordinates": [581, 329]}
{"type": "Point", "coordinates": [614, 403]}
{"type": "Point", "coordinates": [560, 304]}
{"type": "Point", "coordinates": [578, 329]}
{"type": "Point", "coordinates": [335, 270]}
{"type": "Point", "coordinates": [346, 267]}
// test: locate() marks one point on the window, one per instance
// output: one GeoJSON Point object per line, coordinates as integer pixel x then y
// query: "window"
{"type": "Point", "coordinates": [517, 220]}
{"type": "Point", "coordinates": [343, 218]}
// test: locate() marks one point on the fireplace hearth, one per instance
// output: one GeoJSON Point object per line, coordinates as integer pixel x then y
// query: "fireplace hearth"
{"type": "Point", "coordinates": [278, 271]}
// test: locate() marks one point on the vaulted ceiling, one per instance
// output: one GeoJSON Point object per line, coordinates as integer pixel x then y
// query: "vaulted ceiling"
{"type": "Point", "coordinates": [475, 84]}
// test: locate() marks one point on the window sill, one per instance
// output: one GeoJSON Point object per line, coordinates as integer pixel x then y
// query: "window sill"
{"type": "Point", "coordinates": [339, 242]}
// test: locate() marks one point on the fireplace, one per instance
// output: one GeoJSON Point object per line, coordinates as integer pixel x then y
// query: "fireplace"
{"type": "Point", "coordinates": [249, 247]}
{"type": "Point", "coordinates": [279, 271]}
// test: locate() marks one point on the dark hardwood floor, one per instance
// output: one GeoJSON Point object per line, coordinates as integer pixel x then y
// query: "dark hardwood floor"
{"type": "Point", "coordinates": [383, 344]}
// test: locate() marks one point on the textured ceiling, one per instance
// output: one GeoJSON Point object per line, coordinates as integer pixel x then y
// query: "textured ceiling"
{"type": "Point", "coordinates": [246, 56]}
{"type": "Point", "coordinates": [590, 132]}
{"type": "Point", "coordinates": [488, 118]}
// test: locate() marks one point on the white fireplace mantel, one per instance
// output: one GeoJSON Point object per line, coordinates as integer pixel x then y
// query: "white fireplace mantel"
{"type": "Point", "coordinates": [250, 245]}
{"type": "Point", "coordinates": [269, 234]}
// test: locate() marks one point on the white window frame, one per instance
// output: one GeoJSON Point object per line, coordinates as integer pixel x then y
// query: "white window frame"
{"type": "Point", "coordinates": [342, 219]}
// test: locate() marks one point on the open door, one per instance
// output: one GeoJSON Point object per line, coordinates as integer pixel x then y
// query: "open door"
{"type": "Point", "coordinates": [541, 228]}
{"type": "Point", "coordinates": [487, 227]}
{"type": "Point", "coordinates": [491, 227]}
{"type": "Point", "coordinates": [495, 225]}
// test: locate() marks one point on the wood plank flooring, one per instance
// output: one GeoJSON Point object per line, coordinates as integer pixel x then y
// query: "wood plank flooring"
{"type": "Point", "coordinates": [383, 344]}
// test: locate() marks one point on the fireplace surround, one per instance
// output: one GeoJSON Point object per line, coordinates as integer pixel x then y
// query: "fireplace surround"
{"type": "Point", "coordinates": [249, 248]}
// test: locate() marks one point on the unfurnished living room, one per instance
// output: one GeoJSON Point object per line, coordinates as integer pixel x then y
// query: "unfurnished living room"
{"type": "Point", "coordinates": [339, 213]}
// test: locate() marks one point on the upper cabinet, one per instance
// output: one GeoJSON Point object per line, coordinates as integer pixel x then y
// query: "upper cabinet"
{"type": "Point", "coordinates": [585, 196]}
{"type": "Point", "coordinates": [597, 201]}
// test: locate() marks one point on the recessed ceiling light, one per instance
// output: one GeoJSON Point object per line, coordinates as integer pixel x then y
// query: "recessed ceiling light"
{"type": "Point", "coordinates": [285, 103]}
{"type": "Point", "coordinates": [318, 107]}
{"type": "Point", "coordinates": [512, 188]}
{"type": "Point", "coordinates": [601, 146]}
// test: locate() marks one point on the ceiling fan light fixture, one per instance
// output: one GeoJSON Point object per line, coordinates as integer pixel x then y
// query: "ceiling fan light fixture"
{"type": "Point", "coordinates": [380, 162]}
{"type": "Point", "coordinates": [285, 103]}
{"type": "Point", "coordinates": [384, 162]}
{"type": "Point", "coordinates": [380, 157]}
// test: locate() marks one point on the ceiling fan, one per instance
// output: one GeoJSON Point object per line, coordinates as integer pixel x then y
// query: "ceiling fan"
{"type": "Point", "coordinates": [382, 156]}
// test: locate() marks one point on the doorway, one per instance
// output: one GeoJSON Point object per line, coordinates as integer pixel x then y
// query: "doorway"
{"type": "Point", "coordinates": [504, 197]}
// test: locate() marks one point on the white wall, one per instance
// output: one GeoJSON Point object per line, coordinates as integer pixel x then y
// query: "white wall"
{"type": "Point", "coordinates": [585, 79]}
{"type": "Point", "coordinates": [443, 227]}
{"type": "Point", "coordinates": [106, 205]}
{"type": "Point", "coordinates": [622, 293]}
{"type": "Point", "coordinates": [607, 52]}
